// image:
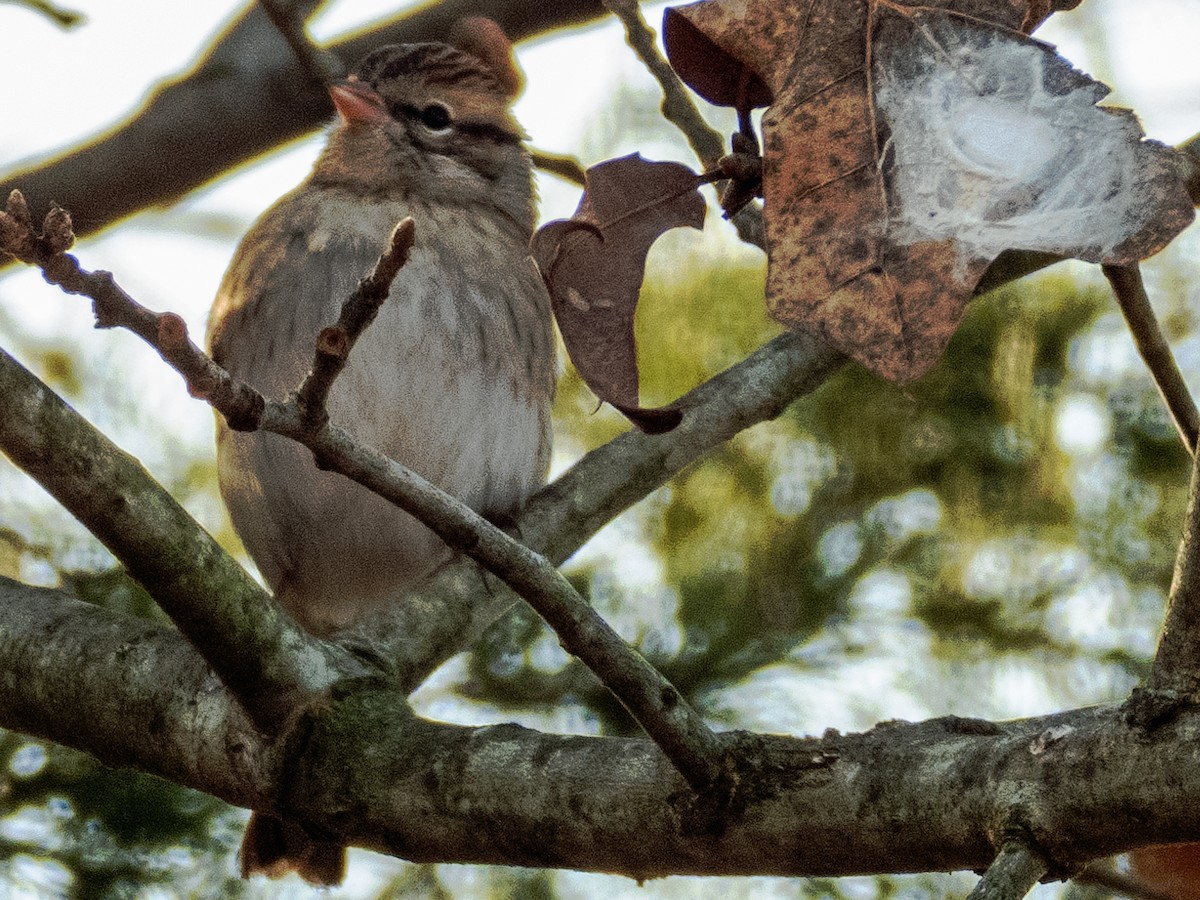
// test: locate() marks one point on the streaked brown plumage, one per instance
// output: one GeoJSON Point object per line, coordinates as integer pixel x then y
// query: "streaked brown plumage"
{"type": "Point", "coordinates": [454, 379]}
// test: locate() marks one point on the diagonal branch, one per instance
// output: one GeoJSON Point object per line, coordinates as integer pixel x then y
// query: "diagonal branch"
{"type": "Point", "coordinates": [256, 649]}
{"type": "Point", "coordinates": [680, 110]}
{"type": "Point", "coordinates": [245, 96]}
{"type": "Point", "coordinates": [1175, 673]}
{"type": "Point", "coordinates": [437, 620]}
{"type": "Point", "coordinates": [61, 16]}
{"type": "Point", "coordinates": [1013, 875]}
{"type": "Point", "coordinates": [650, 698]}
{"type": "Point", "coordinates": [288, 16]}
{"type": "Point", "coordinates": [1131, 295]}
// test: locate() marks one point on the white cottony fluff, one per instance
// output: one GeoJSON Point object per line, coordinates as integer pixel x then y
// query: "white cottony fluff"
{"type": "Point", "coordinates": [995, 141]}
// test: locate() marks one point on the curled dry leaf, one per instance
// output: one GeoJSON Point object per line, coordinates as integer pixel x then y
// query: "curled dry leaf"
{"type": "Point", "coordinates": [907, 144]}
{"type": "Point", "coordinates": [594, 263]}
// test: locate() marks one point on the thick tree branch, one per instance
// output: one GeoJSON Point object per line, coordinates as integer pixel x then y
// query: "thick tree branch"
{"type": "Point", "coordinates": [901, 797]}
{"type": "Point", "coordinates": [130, 692]}
{"type": "Point", "coordinates": [244, 97]}
{"type": "Point", "coordinates": [252, 644]}
{"type": "Point", "coordinates": [1012, 876]}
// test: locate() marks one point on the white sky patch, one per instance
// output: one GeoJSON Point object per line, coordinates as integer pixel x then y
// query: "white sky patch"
{"type": "Point", "coordinates": [882, 593]}
{"type": "Point", "coordinates": [1019, 690]}
{"type": "Point", "coordinates": [839, 548]}
{"type": "Point", "coordinates": [900, 518]}
{"type": "Point", "coordinates": [1021, 568]}
{"type": "Point", "coordinates": [1082, 424]}
{"type": "Point", "coordinates": [27, 761]}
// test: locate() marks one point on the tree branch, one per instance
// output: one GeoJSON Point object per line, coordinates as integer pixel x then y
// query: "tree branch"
{"type": "Point", "coordinates": [61, 16]}
{"type": "Point", "coordinates": [1175, 673]}
{"type": "Point", "coordinates": [653, 702]}
{"type": "Point", "coordinates": [680, 110]}
{"type": "Point", "coordinates": [253, 645]}
{"type": "Point", "coordinates": [435, 621]}
{"type": "Point", "coordinates": [288, 16]}
{"type": "Point", "coordinates": [245, 96]}
{"type": "Point", "coordinates": [901, 797]}
{"type": "Point", "coordinates": [1130, 292]}
{"type": "Point", "coordinates": [1012, 876]}
{"type": "Point", "coordinates": [567, 168]}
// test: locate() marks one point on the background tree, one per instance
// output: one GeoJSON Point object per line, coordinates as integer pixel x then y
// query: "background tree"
{"type": "Point", "coordinates": [995, 540]}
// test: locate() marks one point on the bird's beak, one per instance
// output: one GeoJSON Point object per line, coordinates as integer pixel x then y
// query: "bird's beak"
{"type": "Point", "coordinates": [357, 103]}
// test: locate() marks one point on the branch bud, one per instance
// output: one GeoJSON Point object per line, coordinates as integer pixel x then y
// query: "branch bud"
{"type": "Point", "coordinates": [58, 235]}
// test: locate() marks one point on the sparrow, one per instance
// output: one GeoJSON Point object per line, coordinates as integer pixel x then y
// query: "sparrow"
{"type": "Point", "coordinates": [454, 379]}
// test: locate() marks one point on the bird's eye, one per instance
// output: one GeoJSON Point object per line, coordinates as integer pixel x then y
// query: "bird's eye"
{"type": "Point", "coordinates": [435, 117]}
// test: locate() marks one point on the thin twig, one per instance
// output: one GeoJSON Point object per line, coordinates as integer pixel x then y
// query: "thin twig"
{"type": "Point", "coordinates": [1175, 673]}
{"type": "Point", "coordinates": [1130, 291]}
{"type": "Point", "coordinates": [677, 106]}
{"type": "Point", "coordinates": [317, 64]}
{"type": "Point", "coordinates": [1013, 874]}
{"type": "Point", "coordinates": [64, 18]}
{"type": "Point", "coordinates": [653, 702]}
{"type": "Point", "coordinates": [566, 167]}
{"type": "Point", "coordinates": [335, 342]}
{"type": "Point", "coordinates": [679, 109]}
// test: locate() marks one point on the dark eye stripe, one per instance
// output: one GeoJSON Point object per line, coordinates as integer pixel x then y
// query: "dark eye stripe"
{"type": "Point", "coordinates": [474, 129]}
{"type": "Point", "coordinates": [489, 132]}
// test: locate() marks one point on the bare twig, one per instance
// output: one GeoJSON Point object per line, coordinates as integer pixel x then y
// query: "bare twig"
{"type": "Point", "coordinates": [1130, 291]}
{"type": "Point", "coordinates": [566, 167]}
{"type": "Point", "coordinates": [317, 64]}
{"type": "Point", "coordinates": [1012, 876]}
{"type": "Point", "coordinates": [677, 106]}
{"type": "Point", "coordinates": [650, 698]}
{"type": "Point", "coordinates": [64, 18]}
{"type": "Point", "coordinates": [679, 109]}
{"type": "Point", "coordinates": [335, 342]}
{"type": "Point", "coordinates": [1175, 673]}
{"type": "Point", "coordinates": [165, 332]}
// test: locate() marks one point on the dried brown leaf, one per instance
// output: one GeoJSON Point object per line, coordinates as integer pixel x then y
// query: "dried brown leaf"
{"type": "Point", "coordinates": [594, 263]}
{"type": "Point", "coordinates": [907, 144]}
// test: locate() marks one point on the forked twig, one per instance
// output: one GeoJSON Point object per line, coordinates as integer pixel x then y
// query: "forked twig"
{"type": "Point", "coordinates": [680, 110]}
{"type": "Point", "coordinates": [652, 700]}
